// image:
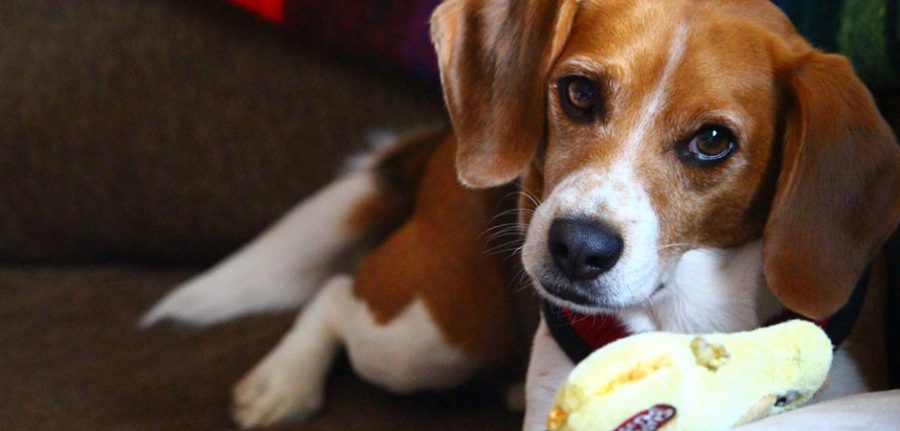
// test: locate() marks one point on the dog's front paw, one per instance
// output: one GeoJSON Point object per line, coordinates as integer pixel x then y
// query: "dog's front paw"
{"type": "Point", "coordinates": [270, 395]}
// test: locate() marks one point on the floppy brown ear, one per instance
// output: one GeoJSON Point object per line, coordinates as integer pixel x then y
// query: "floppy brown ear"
{"type": "Point", "coordinates": [495, 57]}
{"type": "Point", "coordinates": [838, 195]}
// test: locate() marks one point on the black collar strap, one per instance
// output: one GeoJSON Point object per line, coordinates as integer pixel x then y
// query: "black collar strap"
{"type": "Point", "coordinates": [580, 335]}
{"type": "Point", "coordinates": [839, 325]}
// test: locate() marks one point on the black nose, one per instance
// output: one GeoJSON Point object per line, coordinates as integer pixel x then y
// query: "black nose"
{"type": "Point", "coordinates": [583, 249]}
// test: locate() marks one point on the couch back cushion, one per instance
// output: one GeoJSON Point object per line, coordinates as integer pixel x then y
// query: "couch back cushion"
{"type": "Point", "coordinates": [170, 131]}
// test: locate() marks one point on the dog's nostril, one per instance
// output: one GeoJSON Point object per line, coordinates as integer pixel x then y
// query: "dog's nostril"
{"type": "Point", "coordinates": [559, 249]}
{"type": "Point", "coordinates": [583, 249]}
{"type": "Point", "coordinates": [594, 261]}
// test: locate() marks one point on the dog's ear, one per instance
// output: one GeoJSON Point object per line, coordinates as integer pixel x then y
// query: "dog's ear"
{"type": "Point", "coordinates": [837, 197]}
{"type": "Point", "coordinates": [495, 57]}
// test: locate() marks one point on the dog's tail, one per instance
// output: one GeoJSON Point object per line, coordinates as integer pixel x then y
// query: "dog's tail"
{"type": "Point", "coordinates": [323, 235]}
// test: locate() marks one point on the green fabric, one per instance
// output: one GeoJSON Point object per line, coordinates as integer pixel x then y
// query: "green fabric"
{"type": "Point", "coordinates": [866, 31]}
{"type": "Point", "coordinates": [863, 37]}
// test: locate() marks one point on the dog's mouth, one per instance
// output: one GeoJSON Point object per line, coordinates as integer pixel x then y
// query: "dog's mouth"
{"type": "Point", "coordinates": [573, 298]}
{"type": "Point", "coordinates": [583, 299]}
{"type": "Point", "coordinates": [567, 294]}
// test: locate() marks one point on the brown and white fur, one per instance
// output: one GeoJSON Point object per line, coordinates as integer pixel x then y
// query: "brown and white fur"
{"type": "Point", "coordinates": [790, 219]}
{"type": "Point", "coordinates": [428, 308]}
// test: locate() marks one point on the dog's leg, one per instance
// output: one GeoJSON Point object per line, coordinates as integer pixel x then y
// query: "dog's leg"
{"type": "Point", "coordinates": [282, 267]}
{"type": "Point", "coordinates": [548, 368]}
{"type": "Point", "coordinates": [288, 384]}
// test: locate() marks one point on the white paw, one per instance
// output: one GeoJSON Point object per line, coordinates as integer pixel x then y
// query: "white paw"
{"type": "Point", "coordinates": [275, 395]}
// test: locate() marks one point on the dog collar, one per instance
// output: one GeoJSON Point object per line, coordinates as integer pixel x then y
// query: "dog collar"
{"type": "Point", "coordinates": [580, 335]}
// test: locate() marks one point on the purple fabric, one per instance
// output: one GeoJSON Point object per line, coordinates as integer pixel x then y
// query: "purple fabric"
{"type": "Point", "coordinates": [395, 32]}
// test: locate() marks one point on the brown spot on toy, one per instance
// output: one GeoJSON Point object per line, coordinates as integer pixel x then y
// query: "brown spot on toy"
{"type": "Point", "coordinates": [557, 419]}
{"type": "Point", "coordinates": [709, 355]}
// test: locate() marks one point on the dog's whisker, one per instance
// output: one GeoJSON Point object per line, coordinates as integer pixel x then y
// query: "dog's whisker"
{"type": "Point", "coordinates": [508, 236]}
{"type": "Point", "coordinates": [515, 253]}
{"type": "Point", "coordinates": [515, 226]}
{"type": "Point", "coordinates": [513, 211]}
{"type": "Point", "coordinates": [505, 253]}
{"type": "Point", "coordinates": [533, 200]}
{"type": "Point", "coordinates": [502, 229]}
{"type": "Point", "coordinates": [508, 246]}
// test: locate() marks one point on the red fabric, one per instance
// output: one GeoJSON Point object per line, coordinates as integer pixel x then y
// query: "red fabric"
{"type": "Point", "coordinates": [596, 331]}
{"type": "Point", "coordinates": [651, 419]}
{"type": "Point", "coordinates": [272, 10]}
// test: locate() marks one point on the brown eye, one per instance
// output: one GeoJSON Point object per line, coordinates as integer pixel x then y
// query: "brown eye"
{"type": "Point", "coordinates": [580, 97]}
{"type": "Point", "coordinates": [710, 145]}
{"type": "Point", "coordinates": [583, 94]}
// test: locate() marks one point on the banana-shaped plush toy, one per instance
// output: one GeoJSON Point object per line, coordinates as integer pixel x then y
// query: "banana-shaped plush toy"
{"type": "Point", "coordinates": [677, 382]}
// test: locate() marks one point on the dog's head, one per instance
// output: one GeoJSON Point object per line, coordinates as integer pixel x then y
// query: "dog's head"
{"type": "Point", "coordinates": [648, 128]}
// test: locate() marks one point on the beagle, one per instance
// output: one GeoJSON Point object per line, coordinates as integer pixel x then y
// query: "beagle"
{"type": "Point", "coordinates": [686, 166]}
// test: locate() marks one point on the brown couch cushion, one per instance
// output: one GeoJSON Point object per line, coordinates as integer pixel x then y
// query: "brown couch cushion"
{"type": "Point", "coordinates": [171, 130]}
{"type": "Point", "coordinates": [72, 358]}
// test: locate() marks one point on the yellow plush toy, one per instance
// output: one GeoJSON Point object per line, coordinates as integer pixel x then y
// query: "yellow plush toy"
{"type": "Point", "coordinates": [677, 382]}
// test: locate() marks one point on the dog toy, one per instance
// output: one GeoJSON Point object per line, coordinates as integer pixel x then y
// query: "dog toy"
{"type": "Point", "coordinates": [677, 382]}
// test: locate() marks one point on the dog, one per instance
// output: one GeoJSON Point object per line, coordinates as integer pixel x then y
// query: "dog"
{"type": "Point", "coordinates": [686, 166]}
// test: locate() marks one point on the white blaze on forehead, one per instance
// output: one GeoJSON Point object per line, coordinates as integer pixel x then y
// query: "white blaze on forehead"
{"type": "Point", "coordinates": [616, 196]}
{"type": "Point", "coordinates": [651, 110]}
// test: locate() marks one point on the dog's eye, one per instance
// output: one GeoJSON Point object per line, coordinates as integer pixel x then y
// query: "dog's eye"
{"type": "Point", "coordinates": [580, 97]}
{"type": "Point", "coordinates": [710, 145]}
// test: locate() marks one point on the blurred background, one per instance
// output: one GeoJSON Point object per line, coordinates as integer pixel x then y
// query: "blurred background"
{"type": "Point", "coordinates": [142, 140]}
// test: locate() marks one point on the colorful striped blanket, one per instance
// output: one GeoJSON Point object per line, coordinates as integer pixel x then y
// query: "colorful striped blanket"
{"type": "Point", "coordinates": [395, 32]}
